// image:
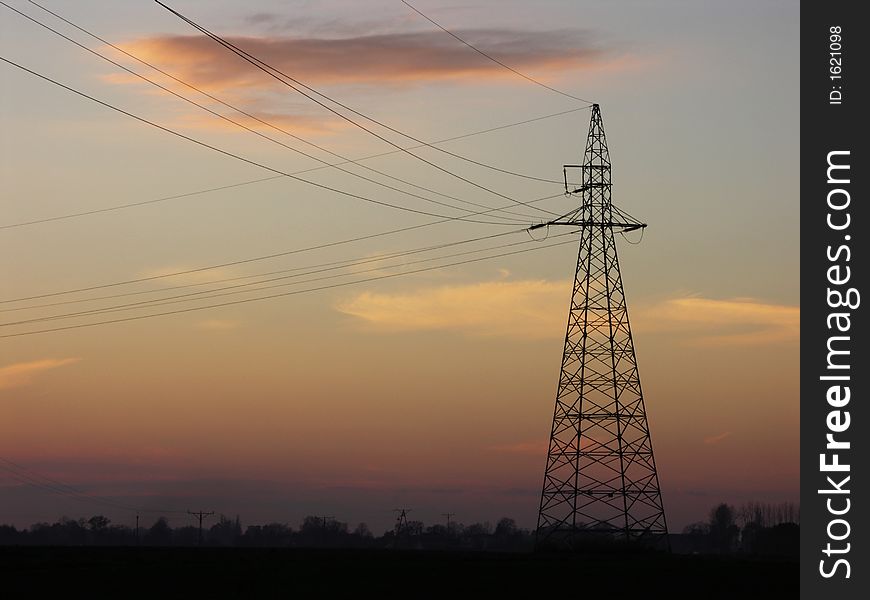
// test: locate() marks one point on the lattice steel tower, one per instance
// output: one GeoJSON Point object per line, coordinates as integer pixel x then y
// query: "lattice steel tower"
{"type": "Point", "coordinates": [600, 479]}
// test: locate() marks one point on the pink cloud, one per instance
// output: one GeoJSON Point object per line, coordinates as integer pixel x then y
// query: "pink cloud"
{"type": "Point", "coordinates": [391, 57]}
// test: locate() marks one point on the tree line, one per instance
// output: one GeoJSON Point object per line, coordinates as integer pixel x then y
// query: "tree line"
{"type": "Point", "coordinates": [755, 528]}
{"type": "Point", "coordinates": [312, 532]}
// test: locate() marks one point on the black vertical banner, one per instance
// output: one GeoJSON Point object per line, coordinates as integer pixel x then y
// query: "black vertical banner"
{"type": "Point", "coordinates": [835, 374]}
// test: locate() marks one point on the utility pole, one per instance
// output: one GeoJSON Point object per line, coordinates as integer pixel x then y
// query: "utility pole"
{"type": "Point", "coordinates": [324, 520]}
{"type": "Point", "coordinates": [600, 480]}
{"type": "Point", "coordinates": [448, 515]}
{"type": "Point", "coordinates": [200, 515]}
{"type": "Point", "coordinates": [137, 529]}
{"type": "Point", "coordinates": [323, 532]}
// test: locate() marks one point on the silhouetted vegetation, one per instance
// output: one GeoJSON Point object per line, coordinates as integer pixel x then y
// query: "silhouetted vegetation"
{"type": "Point", "coordinates": [754, 528]}
{"type": "Point", "coordinates": [313, 532]}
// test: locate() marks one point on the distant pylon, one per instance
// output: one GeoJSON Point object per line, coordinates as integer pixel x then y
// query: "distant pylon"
{"type": "Point", "coordinates": [401, 521]}
{"type": "Point", "coordinates": [600, 481]}
{"type": "Point", "coordinates": [401, 532]}
{"type": "Point", "coordinates": [448, 515]}
{"type": "Point", "coordinates": [200, 515]}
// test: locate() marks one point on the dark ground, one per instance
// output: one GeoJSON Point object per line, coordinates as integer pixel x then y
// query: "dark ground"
{"type": "Point", "coordinates": [39, 572]}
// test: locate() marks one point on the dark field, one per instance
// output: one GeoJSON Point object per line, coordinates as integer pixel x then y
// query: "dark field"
{"type": "Point", "coordinates": [284, 573]}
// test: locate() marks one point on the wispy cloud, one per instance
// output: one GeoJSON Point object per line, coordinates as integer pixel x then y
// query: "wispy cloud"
{"type": "Point", "coordinates": [715, 439]}
{"type": "Point", "coordinates": [524, 309]}
{"type": "Point", "coordinates": [536, 309]}
{"type": "Point", "coordinates": [372, 59]}
{"type": "Point", "coordinates": [270, 116]}
{"type": "Point", "coordinates": [356, 56]}
{"type": "Point", "coordinates": [735, 321]}
{"type": "Point", "coordinates": [296, 124]}
{"type": "Point", "coordinates": [23, 373]}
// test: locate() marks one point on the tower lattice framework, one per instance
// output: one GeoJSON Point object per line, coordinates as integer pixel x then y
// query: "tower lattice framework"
{"type": "Point", "coordinates": [600, 479]}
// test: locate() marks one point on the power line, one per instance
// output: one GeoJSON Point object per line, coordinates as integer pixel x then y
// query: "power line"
{"type": "Point", "coordinates": [31, 477]}
{"type": "Point", "coordinates": [306, 271]}
{"type": "Point", "coordinates": [244, 183]}
{"type": "Point", "coordinates": [213, 293]}
{"type": "Point", "coordinates": [237, 156]}
{"type": "Point", "coordinates": [280, 295]}
{"type": "Point", "coordinates": [255, 132]}
{"type": "Point", "coordinates": [261, 165]}
{"type": "Point", "coordinates": [64, 491]}
{"type": "Point", "coordinates": [495, 60]}
{"type": "Point", "coordinates": [241, 111]}
{"type": "Point", "coordinates": [309, 269]}
{"type": "Point", "coordinates": [259, 258]}
{"type": "Point", "coordinates": [143, 203]}
{"type": "Point", "coordinates": [271, 71]}
{"type": "Point", "coordinates": [445, 219]}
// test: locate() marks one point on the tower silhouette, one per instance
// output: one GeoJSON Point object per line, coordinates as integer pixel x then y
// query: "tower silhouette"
{"type": "Point", "coordinates": [401, 521]}
{"type": "Point", "coordinates": [600, 481]}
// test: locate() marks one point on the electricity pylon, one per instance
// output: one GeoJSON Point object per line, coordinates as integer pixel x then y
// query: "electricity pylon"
{"type": "Point", "coordinates": [600, 481]}
{"type": "Point", "coordinates": [401, 521]}
{"type": "Point", "coordinates": [200, 515]}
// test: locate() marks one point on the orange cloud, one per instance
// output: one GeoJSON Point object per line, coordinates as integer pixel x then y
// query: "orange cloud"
{"type": "Point", "coordinates": [524, 309]}
{"type": "Point", "coordinates": [737, 321]}
{"type": "Point", "coordinates": [382, 58]}
{"type": "Point", "coordinates": [372, 59]}
{"type": "Point", "coordinates": [536, 309]}
{"type": "Point", "coordinates": [297, 124]}
{"type": "Point", "coordinates": [20, 374]}
{"type": "Point", "coordinates": [291, 119]}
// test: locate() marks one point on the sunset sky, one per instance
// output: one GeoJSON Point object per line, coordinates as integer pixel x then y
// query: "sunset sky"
{"type": "Point", "coordinates": [433, 390]}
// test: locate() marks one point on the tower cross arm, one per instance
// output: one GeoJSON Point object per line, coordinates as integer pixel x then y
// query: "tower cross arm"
{"type": "Point", "coordinates": [581, 223]}
{"type": "Point", "coordinates": [580, 218]}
